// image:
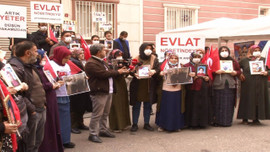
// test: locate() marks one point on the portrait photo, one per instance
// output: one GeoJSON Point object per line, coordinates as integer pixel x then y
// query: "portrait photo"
{"type": "Point", "coordinates": [10, 77]}
{"type": "Point", "coordinates": [201, 70]}
{"type": "Point", "coordinates": [226, 65]}
{"type": "Point", "coordinates": [143, 71]}
{"type": "Point", "coordinates": [256, 67]}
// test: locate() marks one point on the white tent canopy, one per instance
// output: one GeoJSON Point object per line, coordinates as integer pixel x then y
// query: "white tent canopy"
{"type": "Point", "coordinates": [225, 29]}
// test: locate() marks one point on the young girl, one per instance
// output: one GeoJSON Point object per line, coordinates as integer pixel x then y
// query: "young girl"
{"type": "Point", "coordinates": [170, 117]}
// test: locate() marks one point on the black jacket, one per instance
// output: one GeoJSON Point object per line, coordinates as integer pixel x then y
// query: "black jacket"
{"type": "Point", "coordinates": [39, 39]}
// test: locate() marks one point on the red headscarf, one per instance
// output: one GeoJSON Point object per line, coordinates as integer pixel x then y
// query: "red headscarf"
{"type": "Point", "coordinates": [59, 53]}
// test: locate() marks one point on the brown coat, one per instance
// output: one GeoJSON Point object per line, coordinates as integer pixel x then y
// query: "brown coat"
{"type": "Point", "coordinates": [98, 76]}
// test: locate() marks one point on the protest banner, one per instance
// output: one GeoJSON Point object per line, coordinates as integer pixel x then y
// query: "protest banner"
{"type": "Point", "coordinates": [182, 45]}
{"type": "Point", "coordinates": [12, 21]}
{"type": "Point", "coordinates": [46, 12]}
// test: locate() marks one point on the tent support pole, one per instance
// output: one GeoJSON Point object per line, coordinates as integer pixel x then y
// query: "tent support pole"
{"type": "Point", "coordinates": [219, 42]}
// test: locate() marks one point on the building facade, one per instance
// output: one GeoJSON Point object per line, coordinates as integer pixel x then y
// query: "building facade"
{"type": "Point", "coordinates": [143, 19]}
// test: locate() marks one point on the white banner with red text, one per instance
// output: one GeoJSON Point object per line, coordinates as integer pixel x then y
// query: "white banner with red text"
{"type": "Point", "coordinates": [12, 21]}
{"type": "Point", "coordinates": [46, 12]}
{"type": "Point", "coordinates": [182, 45]}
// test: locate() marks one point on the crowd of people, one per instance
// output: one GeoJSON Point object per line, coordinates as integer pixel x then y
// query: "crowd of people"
{"type": "Point", "coordinates": [48, 114]}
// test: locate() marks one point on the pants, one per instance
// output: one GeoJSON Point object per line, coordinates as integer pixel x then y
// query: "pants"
{"type": "Point", "coordinates": [146, 112]}
{"type": "Point", "coordinates": [101, 109]}
{"type": "Point", "coordinates": [36, 124]}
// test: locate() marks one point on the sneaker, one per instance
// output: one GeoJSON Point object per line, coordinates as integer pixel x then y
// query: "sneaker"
{"type": "Point", "coordinates": [134, 128]}
{"type": "Point", "coordinates": [148, 127]}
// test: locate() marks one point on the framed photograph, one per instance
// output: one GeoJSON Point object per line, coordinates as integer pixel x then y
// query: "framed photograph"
{"type": "Point", "coordinates": [108, 44]}
{"type": "Point", "coordinates": [49, 76]}
{"type": "Point", "coordinates": [226, 65]}
{"type": "Point", "coordinates": [178, 76]}
{"type": "Point", "coordinates": [256, 67]}
{"type": "Point", "coordinates": [143, 71]}
{"type": "Point", "coordinates": [10, 77]}
{"type": "Point", "coordinates": [72, 45]}
{"type": "Point", "coordinates": [201, 70]}
{"type": "Point", "coordinates": [9, 109]}
{"type": "Point", "coordinates": [76, 84]}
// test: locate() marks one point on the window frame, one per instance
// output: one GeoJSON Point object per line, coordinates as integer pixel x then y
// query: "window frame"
{"type": "Point", "coordinates": [166, 6]}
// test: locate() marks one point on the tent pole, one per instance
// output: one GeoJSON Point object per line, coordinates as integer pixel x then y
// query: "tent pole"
{"type": "Point", "coordinates": [219, 42]}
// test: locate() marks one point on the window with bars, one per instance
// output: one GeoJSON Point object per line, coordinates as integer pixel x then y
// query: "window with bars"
{"type": "Point", "coordinates": [94, 18]}
{"type": "Point", "coordinates": [180, 16]}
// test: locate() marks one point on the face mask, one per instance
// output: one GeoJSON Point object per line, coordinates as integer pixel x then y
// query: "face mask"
{"type": "Point", "coordinates": [147, 52]}
{"type": "Point", "coordinates": [172, 63]}
{"type": "Point", "coordinates": [43, 28]}
{"type": "Point", "coordinates": [68, 39]}
{"type": "Point", "coordinates": [256, 54]}
{"type": "Point", "coordinates": [95, 42]}
{"type": "Point", "coordinates": [224, 54]}
{"type": "Point", "coordinates": [42, 63]}
{"type": "Point", "coordinates": [119, 58]}
{"type": "Point", "coordinates": [124, 39]}
{"type": "Point", "coordinates": [196, 60]}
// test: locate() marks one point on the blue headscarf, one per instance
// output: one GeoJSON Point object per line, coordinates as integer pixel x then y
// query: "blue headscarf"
{"type": "Point", "coordinates": [41, 54]}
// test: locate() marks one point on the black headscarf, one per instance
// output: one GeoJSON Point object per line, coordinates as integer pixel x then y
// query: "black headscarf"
{"type": "Point", "coordinates": [227, 58]}
{"type": "Point", "coordinates": [141, 49]}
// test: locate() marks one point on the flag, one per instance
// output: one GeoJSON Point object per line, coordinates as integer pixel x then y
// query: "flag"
{"type": "Point", "coordinates": [84, 45]}
{"type": "Point", "coordinates": [213, 62]}
{"type": "Point", "coordinates": [74, 68]}
{"type": "Point", "coordinates": [15, 111]}
{"type": "Point", "coordinates": [267, 61]}
{"type": "Point", "coordinates": [51, 35]}
{"type": "Point", "coordinates": [48, 66]}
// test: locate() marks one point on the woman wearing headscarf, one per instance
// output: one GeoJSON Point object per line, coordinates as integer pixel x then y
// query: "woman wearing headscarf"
{"type": "Point", "coordinates": [197, 96]}
{"type": "Point", "coordinates": [170, 117]}
{"type": "Point", "coordinates": [144, 90]}
{"type": "Point", "coordinates": [61, 56]}
{"type": "Point", "coordinates": [254, 100]}
{"type": "Point", "coordinates": [119, 117]}
{"type": "Point", "coordinates": [52, 136]}
{"type": "Point", "coordinates": [224, 86]}
{"type": "Point", "coordinates": [79, 103]}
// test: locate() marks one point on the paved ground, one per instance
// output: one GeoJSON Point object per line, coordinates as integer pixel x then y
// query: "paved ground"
{"type": "Point", "coordinates": [238, 138]}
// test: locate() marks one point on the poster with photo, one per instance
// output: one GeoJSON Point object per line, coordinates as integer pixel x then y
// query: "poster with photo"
{"type": "Point", "coordinates": [49, 76]}
{"type": "Point", "coordinates": [76, 84]}
{"type": "Point", "coordinates": [241, 49]}
{"type": "Point", "coordinates": [226, 65]}
{"type": "Point", "coordinates": [201, 70]}
{"type": "Point", "coordinates": [143, 71]}
{"type": "Point", "coordinates": [176, 76]}
{"type": "Point", "coordinates": [256, 67]}
{"type": "Point", "coordinates": [10, 77]}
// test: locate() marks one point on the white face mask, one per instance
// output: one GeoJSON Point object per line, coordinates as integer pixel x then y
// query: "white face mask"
{"type": "Point", "coordinates": [257, 54]}
{"type": "Point", "coordinates": [119, 58]}
{"type": "Point", "coordinates": [124, 39]}
{"type": "Point", "coordinates": [196, 60]}
{"type": "Point", "coordinates": [147, 52]}
{"type": "Point", "coordinates": [68, 39]}
{"type": "Point", "coordinates": [224, 54]}
{"type": "Point", "coordinates": [42, 63]}
{"type": "Point", "coordinates": [95, 42]}
{"type": "Point", "coordinates": [43, 28]}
